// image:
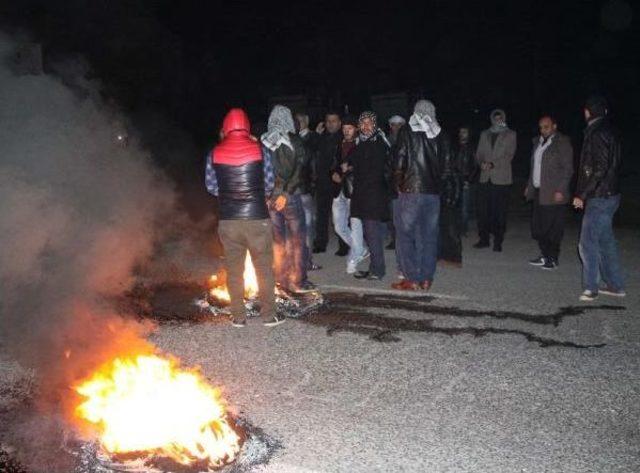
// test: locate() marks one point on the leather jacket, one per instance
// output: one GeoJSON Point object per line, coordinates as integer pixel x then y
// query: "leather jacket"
{"type": "Point", "coordinates": [241, 191]}
{"type": "Point", "coordinates": [419, 163]}
{"type": "Point", "coordinates": [288, 166]}
{"type": "Point", "coordinates": [599, 161]}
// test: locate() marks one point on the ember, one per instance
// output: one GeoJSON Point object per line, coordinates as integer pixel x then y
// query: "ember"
{"type": "Point", "coordinates": [148, 404]}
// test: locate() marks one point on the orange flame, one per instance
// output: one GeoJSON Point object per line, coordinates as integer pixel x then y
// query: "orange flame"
{"type": "Point", "coordinates": [147, 403]}
{"type": "Point", "coordinates": [219, 288]}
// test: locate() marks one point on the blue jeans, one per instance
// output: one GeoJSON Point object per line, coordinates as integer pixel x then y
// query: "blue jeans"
{"type": "Point", "coordinates": [289, 240]}
{"type": "Point", "coordinates": [309, 208]}
{"type": "Point", "coordinates": [416, 220]}
{"type": "Point", "coordinates": [374, 233]}
{"type": "Point", "coordinates": [352, 236]}
{"type": "Point", "coordinates": [598, 247]}
{"type": "Point", "coordinates": [467, 205]}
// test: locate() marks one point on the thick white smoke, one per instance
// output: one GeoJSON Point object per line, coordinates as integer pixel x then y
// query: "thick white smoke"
{"type": "Point", "coordinates": [78, 212]}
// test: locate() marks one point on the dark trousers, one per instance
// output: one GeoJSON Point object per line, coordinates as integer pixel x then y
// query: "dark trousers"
{"type": "Point", "coordinates": [492, 204]}
{"type": "Point", "coordinates": [547, 227]}
{"type": "Point", "coordinates": [449, 243]}
{"type": "Point", "coordinates": [324, 200]}
{"type": "Point", "coordinates": [374, 232]}
{"type": "Point", "coordinates": [255, 236]}
{"type": "Point", "coordinates": [289, 240]}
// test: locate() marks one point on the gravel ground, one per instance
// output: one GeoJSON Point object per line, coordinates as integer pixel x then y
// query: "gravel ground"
{"type": "Point", "coordinates": [500, 370]}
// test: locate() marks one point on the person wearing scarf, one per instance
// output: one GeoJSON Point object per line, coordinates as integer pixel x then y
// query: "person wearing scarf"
{"type": "Point", "coordinates": [370, 197]}
{"type": "Point", "coordinates": [287, 214]}
{"type": "Point", "coordinates": [496, 149]}
{"type": "Point", "coordinates": [421, 160]}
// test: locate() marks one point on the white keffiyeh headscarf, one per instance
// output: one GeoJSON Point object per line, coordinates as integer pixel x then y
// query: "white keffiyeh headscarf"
{"type": "Point", "coordinates": [279, 126]}
{"type": "Point", "coordinates": [424, 119]}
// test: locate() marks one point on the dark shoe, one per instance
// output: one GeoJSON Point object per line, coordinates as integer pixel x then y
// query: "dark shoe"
{"type": "Point", "coordinates": [303, 288]}
{"type": "Point", "coordinates": [275, 320]}
{"type": "Point", "coordinates": [405, 285]}
{"type": "Point", "coordinates": [342, 252]}
{"type": "Point", "coordinates": [549, 264]}
{"type": "Point", "coordinates": [391, 245]}
{"type": "Point", "coordinates": [238, 323]}
{"type": "Point", "coordinates": [319, 250]}
{"type": "Point", "coordinates": [607, 291]}
{"type": "Point", "coordinates": [361, 274]}
{"type": "Point", "coordinates": [314, 267]}
{"type": "Point", "coordinates": [539, 261]}
{"type": "Point", "coordinates": [481, 244]}
{"type": "Point", "coordinates": [374, 277]}
{"type": "Point", "coordinates": [425, 285]}
{"type": "Point", "coordinates": [497, 247]}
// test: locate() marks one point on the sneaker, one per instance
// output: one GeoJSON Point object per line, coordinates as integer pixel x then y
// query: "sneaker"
{"type": "Point", "coordinates": [425, 285]}
{"type": "Point", "coordinates": [361, 274]}
{"type": "Point", "coordinates": [303, 288]}
{"type": "Point", "coordinates": [607, 291]}
{"type": "Point", "coordinates": [481, 244]}
{"type": "Point", "coordinates": [374, 277]}
{"type": "Point", "coordinates": [497, 247]}
{"type": "Point", "coordinates": [588, 296]}
{"type": "Point", "coordinates": [405, 285]}
{"type": "Point", "coordinates": [352, 266]}
{"type": "Point", "coordinates": [539, 261]}
{"type": "Point", "coordinates": [239, 323]}
{"type": "Point", "coordinates": [549, 264]}
{"type": "Point", "coordinates": [275, 320]}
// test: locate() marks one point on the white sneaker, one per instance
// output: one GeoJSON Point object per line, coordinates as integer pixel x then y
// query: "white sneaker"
{"type": "Point", "coordinates": [588, 296]}
{"type": "Point", "coordinates": [351, 266]}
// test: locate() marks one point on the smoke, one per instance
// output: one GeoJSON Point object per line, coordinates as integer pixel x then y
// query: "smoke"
{"type": "Point", "coordinates": [78, 212]}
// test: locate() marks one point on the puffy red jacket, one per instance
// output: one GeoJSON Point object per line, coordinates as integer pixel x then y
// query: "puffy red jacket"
{"type": "Point", "coordinates": [237, 147]}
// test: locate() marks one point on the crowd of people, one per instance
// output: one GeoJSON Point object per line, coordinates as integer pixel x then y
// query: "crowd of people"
{"type": "Point", "coordinates": [411, 187]}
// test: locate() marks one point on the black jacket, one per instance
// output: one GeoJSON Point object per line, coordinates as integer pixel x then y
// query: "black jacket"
{"type": "Point", "coordinates": [420, 163]}
{"type": "Point", "coordinates": [371, 172]}
{"type": "Point", "coordinates": [599, 161]}
{"type": "Point", "coordinates": [327, 145]}
{"type": "Point", "coordinates": [465, 159]}
{"type": "Point", "coordinates": [287, 167]}
{"type": "Point", "coordinates": [346, 186]}
{"type": "Point", "coordinates": [241, 191]}
{"type": "Point", "coordinates": [307, 173]}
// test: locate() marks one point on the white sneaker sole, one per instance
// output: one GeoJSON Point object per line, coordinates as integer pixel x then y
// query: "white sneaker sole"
{"type": "Point", "coordinates": [611, 293]}
{"type": "Point", "coordinates": [584, 298]}
{"type": "Point", "coordinates": [274, 323]}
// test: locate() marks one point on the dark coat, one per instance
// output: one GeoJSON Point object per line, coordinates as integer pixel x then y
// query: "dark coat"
{"type": "Point", "coordinates": [326, 147]}
{"type": "Point", "coordinates": [371, 170]}
{"type": "Point", "coordinates": [555, 173]}
{"type": "Point", "coordinates": [599, 161]}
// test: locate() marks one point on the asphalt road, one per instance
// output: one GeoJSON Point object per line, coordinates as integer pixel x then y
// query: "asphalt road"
{"type": "Point", "coordinates": [503, 370]}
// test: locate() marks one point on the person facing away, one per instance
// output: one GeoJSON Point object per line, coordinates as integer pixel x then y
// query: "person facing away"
{"type": "Point", "coordinates": [306, 191]}
{"type": "Point", "coordinates": [347, 227]}
{"type": "Point", "coordinates": [240, 175]}
{"type": "Point", "coordinates": [287, 215]}
{"type": "Point", "coordinates": [370, 197]}
{"type": "Point", "coordinates": [496, 149]}
{"type": "Point", "coordinates": [465, 159]}
{"type": "Point", "coordinates": [421, 153]}
{"type": "Point", "coordinates": [327, 144]}
{"type": "Point", "coordinates": [548, 188]}
{"type": "Point", "coordinates": [598, 194]}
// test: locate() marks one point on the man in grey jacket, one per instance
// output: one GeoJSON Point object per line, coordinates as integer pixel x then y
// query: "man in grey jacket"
{"type": "Point", "coordinates": [548, 188]}
{"type": "Point", "coordinates": [496, 148]}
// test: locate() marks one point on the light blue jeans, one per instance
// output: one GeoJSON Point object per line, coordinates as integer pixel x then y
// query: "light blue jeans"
{"type": "Point", "coordinates": [598, 247]}
{"type": "Point", "coordinates": [353, 236]}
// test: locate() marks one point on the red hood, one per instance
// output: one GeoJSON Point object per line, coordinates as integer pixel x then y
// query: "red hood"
{"type": "Point", "coordinates": [237, 147]}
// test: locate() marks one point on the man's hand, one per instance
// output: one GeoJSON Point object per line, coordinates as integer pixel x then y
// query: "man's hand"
{"type": "Point", "coordinates": [578, 203]}
{"type": "Point", "coordinates": [344, 167]}
{"type": "Point", "coordinates": [320, 128]}
{"type": "Point", "coordinates": [280, 203]}
{"type": "Point", "coordinates": [335, 177]}
{"type": "Point", "coordinates": [557, 197]}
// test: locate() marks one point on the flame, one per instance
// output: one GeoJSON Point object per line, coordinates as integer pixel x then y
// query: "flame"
{"type": "Point", "coordinates": [219, 288]}
{"type": "Point", "coordinates": [147, 403]}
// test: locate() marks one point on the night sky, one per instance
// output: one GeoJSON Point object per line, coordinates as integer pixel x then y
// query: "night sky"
{"type": "Point", "coordinates": [193, 60]}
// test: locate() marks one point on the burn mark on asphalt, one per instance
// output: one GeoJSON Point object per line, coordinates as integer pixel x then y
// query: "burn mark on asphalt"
{"type": "Point", "coordinates": [347, 312]}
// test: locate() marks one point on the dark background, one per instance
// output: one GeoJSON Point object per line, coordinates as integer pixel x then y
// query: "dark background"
{"type": "Point", "coordinates": [190, 61]}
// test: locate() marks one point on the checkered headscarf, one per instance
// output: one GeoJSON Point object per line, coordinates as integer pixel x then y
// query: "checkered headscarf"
{"type": "Point", "coordinates": [374, 118]}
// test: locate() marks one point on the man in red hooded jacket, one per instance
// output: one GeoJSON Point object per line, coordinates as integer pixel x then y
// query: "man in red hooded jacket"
{"type": "Point", "coordinates": [241, 177]}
